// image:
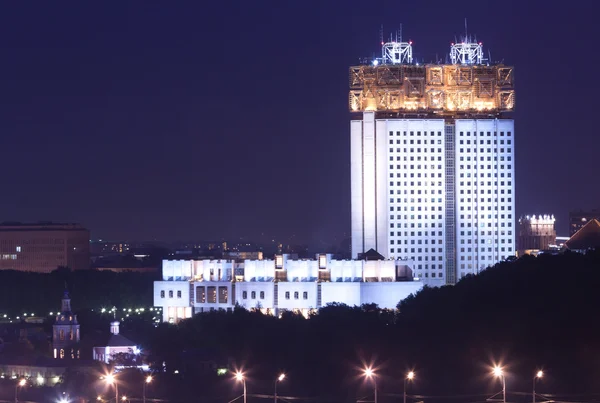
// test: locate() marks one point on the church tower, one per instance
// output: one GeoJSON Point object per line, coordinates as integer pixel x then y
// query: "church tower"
{"type": "Point", "coordinates": [65, 332]}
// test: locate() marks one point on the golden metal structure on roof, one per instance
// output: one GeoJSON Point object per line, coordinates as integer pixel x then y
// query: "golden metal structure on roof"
{"type": "Point", "coordinates": [441, 90]}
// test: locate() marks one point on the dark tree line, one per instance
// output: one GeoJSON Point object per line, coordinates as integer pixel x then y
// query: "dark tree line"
{"type": "Point", "coordinates": [40, 293]}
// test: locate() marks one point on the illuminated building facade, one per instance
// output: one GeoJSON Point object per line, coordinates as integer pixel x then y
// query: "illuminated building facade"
{"type": "Point", "coordinates": [432, 161]}
{"type": "Point", "coordinates": [536, 233]}
{"type": "Point", "coordinates": [65, 332]}
{"type": "Point", "coordinates": [44, 247]}
{"type": "Point", "coordinates": [282, 284]}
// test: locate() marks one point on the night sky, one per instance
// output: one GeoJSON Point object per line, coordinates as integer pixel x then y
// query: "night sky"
{"type": "Point", "coordinates": [201, 120]}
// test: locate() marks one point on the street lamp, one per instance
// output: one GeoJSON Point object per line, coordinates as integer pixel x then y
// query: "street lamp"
{"type": "Point", "coordinates": [409, 377]}
{"type": "Point", "coordinates": [369, 373]}
{"type": "Point", "coordinates": [240, 377]}
{"type": "Point", "coordinates": [21, 383]}
{"type": "Point", "coordinates": [111, 380]}
{"type": "Point", "coordinates": [124, 398]}
{"type": "Point", "coordinates": [498, 372]}
{"type": "Point", "coordinates": [538, 375]}
{"type": "Point", "coordinates": [146, 382]}
{"type": "Point", "coordinates": [279, 379]}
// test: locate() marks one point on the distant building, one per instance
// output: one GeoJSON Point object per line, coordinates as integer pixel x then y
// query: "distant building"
{"type": "Point", "coordinates": [536, 233]}
{"type": "Point", "coordinates": [43, 247]}
{"type": "Point", "coordinates": [65, 332]}
{"type": "Point", "coordinates": [282, 284]}
{"type": "Point", "coordinates": [587, 238]}
{"type": "Point", "coordinates": [115, 344]}
{"type": "Point", "coordinates": [579, 218]}
{"type": "Point", "coordinates": [240, 255]}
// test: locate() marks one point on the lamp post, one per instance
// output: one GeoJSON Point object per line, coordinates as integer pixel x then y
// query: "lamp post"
{"type": "Point", "coordinates": [279, 379]}
{"type": "Point", "coordinates": [111, 380]}
{"type": "Point", "coordinates": [146, 382]}
{"type": "Point", "coordinates": [369, 373]}
{"type": "Point", "coordinates": [499, 373]}
{"type": "Point", "coordinates": [21, 383]}
{"type": "Point", "coordinates": [409, 377]}
{"type": "Point", "coordinates": [538, 375]}
{"type": "Point", "coordinates": [240, 377]}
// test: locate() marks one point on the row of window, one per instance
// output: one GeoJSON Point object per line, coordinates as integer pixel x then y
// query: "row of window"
{"type": "Point", "coordinates": [412, 133]}
{"type": "Point", "coordinates": [262, 295]}
{"type": "Point", "coordinates": [162, 294]}
{"type": "Point", "coordinates": [412, 150]}
{"type": "Point", "coordinates": [412, 158]}
{"type": "Point", "coordinates": [508, 134]}
{"type": "Point", "coordinates": [488, 150]}
{"type": "Point", "coordinates": [488, 141]}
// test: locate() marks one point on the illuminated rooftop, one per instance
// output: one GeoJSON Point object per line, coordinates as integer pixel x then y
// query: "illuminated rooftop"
{"type": "Point", "coordinates": [466, 86]}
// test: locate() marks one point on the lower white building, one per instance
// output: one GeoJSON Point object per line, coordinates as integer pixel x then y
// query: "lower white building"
{"type": "Point", "coordinates": [282, 284]}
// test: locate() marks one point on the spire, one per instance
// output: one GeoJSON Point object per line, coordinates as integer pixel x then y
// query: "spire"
{"type": "Point", "coordinates": [66, 301]}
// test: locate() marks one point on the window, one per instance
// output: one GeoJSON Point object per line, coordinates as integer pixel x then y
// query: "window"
{"type": "Point", "coordinates": [245, 295]}
{"type": "Point", "coordinates": [200, 294]}
{"type": "Point", "coordinates": [170, 293]}
{"type": "Point", "coordinates": [305, 295]}
{"type": "Point", "coordinates": [287, 295]}
{"type": "Point", "coordinates": [162, 293]}
{"type": "Point", "coordinates": [18, 249]}
{"type": "Point", "coordinates": [212, 294]}
{"type": "Point", "coordinates": [253, 295]}
{"type": "Point", "coordinates": [262, 295]}
{"type": "Point", "coordinates": [62, 353]}
{"type": "Point", "coordinates": [62, 335]}
{"type": "Point", "coordinates": [223, 295]}
{"type": "Point", "coordinates": [296, 295]}
{"type": "Point", "coordinates": [71, 334]}
{"type": "Point", "coordinates": [179, 294]}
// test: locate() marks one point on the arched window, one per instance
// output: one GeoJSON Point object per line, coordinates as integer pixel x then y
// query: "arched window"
{"type": "Point", "coordinates": [77, 337]}
{"type": "Point", "coordinates": [62, 353]}
{"type": "Point", "coordinates": [170, 293]}
{"type": "Point", "coordinates": [71, 334]}
{"type": "Point", "coordinates": [295, 294]}
{"type": "Point", "coordinates": [253, 294]}
{"type": "Point", "coordinates": [262, 295]}
{"type": "Point", "coordinates": [162, 294]}
{"type": "Point", "coordinates": [62, 336]}
{"type": "Point", "coordinates": [245, 294]}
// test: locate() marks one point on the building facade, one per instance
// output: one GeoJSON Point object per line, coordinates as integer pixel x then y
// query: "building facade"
{"type": "Point", "coordinates": [65, 332]}
{"type": "Point", "coordinates": [281, 284]}
{"type": "Point", "coordinates": [44, 247]}
{"type": "Point", "coordinates": [432, 161]}
{"type": "Point", "coordinates": [536, 233]}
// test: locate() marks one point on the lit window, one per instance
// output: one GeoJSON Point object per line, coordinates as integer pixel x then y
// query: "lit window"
{"type": "Point", "coordinates": [18, 249]}
{"type": "Point", "coordinates": [62, 353]}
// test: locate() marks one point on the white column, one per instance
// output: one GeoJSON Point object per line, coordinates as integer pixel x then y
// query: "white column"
{"type": "Point", "coordinates": [356, 187]}
{"type": "Point", "coordinates": [369, 182]}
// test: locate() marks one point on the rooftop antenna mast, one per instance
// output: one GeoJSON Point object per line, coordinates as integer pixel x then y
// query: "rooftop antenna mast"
{"type": "Point", "coordinates": [466, 33]}
{"type": "Point", "coordinates": [381, 34]}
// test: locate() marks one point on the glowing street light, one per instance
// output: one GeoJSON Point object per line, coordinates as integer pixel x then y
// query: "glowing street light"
{"type": "Point", "coordinates": [499, 373]}
{"type": "Point", "coordinates": [146, 382]}
{"type": "Point", "coordinates": [409, 377]}
{"type": "Point", "coordinates": [538, 375]}
{"type": "Point", "coordinates": [369, 373]}
{"type": "Point", "coordinates": [111, 380]}
{"type": "Point", "coordinates": [279, 379]}
{"type": "Point", "coordinates": [124, 398]}
{"type": "Point", "coordinates": [21, 383]}
{"type": "Point", "coordinates": [239, 376]}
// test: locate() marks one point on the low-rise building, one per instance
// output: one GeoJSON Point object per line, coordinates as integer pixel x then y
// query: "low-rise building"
{"type": "Point", "coordinates": [282, 284]}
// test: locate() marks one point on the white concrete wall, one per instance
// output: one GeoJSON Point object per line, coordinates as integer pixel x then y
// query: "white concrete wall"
{"type": "Point", "coordinates": [387, 295]}
{"type": "Point", "coordinates": [177, 269]}
{"type": "Point", "coordinates": [369, 182]}
{"type": "Point", "coordinates": [345, 269]}
{"type": "Point", "coordinates": [346, 293]}
{"type": "Point", "coordinates": [297, 303]}
{"type": "Point", "coordinates": [302, 270]}
{"type": "Point", "coordinates": [356, 187]}
{"type": "Point", "coordinates": [254, 289]}
{"type": "Point", "coordinates": [213, 270]}
{"type": "Point", "coordinates": [255, 269]}
{"type": "Point", "coordinates": [379, 269]}
{"type": "Point", "coordinates": [171, 295]}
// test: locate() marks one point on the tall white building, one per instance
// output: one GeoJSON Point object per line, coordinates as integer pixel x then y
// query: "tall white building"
{"type": "Point", "coordinates": [281, 284]}
{"type": "Point", "coordinates": [432, 161]}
